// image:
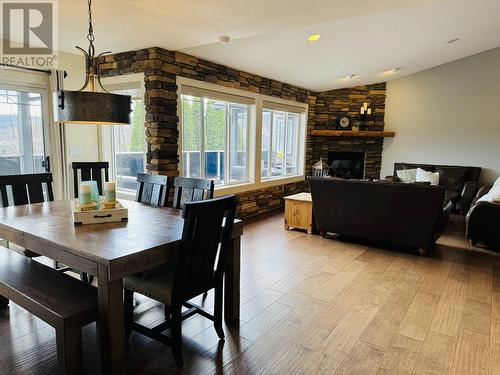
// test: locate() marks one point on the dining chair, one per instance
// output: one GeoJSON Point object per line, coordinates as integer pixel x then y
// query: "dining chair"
{"type": "Point", "coordinates": [200, 266]}
{"type": "Point", "coordinates": [90, 171]}
{"type": "Point", "coordinates": [152, 190]}
{"type": "Point", "coordinates": [29, 189]}
{"type": "Point", "coordinates": [25, 189]}
{"type": "Point", "coordinates": [191, 190]}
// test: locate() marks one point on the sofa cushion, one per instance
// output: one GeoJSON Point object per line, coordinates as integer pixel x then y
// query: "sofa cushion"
{"type": "Point", "coordinates": [407, 175]}
{"type": "Point", "coordinates": [453, 178]}
{"type": "Point", "coordinates": [426, 176]}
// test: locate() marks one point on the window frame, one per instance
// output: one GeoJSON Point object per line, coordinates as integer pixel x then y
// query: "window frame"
{"type": "Point", "coordinates": [106, 133]}
{"type": "Point", "coordinates": [227, 140]}
{"type": "Point", "coordinates": [38, 84]}
{"type": "Point", "coordinates": [254, 138]}
{"type": "Point", "coordinates": [285, 142]}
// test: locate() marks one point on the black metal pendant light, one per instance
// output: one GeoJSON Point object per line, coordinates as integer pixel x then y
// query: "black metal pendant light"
{"type": "Point", "coordinates": [88, 106]}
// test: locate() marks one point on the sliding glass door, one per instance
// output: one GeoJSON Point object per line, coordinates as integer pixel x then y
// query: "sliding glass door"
{"type": "Point", "coordinates": [23, 121]}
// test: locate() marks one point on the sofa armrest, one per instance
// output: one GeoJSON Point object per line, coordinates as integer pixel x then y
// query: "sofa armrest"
{"type": "Point", "coordinates": [467, 196]}
{"type": "Point", "coordinates": [482, 221]}
{"type": "Point", "coordinates": [483, 190]}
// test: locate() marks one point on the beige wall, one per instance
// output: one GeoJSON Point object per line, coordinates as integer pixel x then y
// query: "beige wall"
{"type": "Point", "coordinates": [447, 115]}
{"type": "Point", "coordinates": [81, 140]}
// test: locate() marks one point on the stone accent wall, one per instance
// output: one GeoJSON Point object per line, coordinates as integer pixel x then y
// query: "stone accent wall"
{"type": "Point", "coordinates": [260, 201]}
{"type": "Point", "coordinates": [332, 104]}
{"type": "Point", "coordinates": [161, 68]}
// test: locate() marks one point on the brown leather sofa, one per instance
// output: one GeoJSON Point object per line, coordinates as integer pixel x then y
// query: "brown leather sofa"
{"type": "Point", "coordinates": [461, 182]}
{"type": "Point", "coordinates": [410, 215]}
{"type": "Point", "coordinates": [483, 220]}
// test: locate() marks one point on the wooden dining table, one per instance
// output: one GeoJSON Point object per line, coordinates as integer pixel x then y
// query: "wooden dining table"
{"type": "Point", "coordinates": [112, 251]}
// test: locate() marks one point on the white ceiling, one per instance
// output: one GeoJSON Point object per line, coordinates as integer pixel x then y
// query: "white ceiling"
{"type": "Point", "coordinates": [268, 37]}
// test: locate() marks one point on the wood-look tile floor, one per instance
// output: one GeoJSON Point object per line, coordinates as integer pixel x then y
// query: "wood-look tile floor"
{"type": "Point", "coordinates": [317, 306]}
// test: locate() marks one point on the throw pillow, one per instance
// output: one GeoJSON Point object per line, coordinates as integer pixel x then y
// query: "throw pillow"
{"type": "Point", "coordinates": [492, 194]}
{"type": "Point", "coordinates": [407, 175]}
{"type": "Point", "coordinates": [425, 176]}
{"type": "Point", "coordinates": [453, 178]}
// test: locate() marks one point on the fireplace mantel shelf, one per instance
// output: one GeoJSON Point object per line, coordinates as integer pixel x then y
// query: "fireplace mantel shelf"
{"type": "Point", "coordinates": [350, 133]}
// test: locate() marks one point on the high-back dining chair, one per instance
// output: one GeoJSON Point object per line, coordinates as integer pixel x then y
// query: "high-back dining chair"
{"type": "Point", "coordinates": [200, 267]}
{"type": "Point", "coordinates": [29, 189]}
{"type": "Point", "coordinates": [152, 190]}
{"type": "Point", "coordinates": [25, 189]}
{"type": "Point", "coordinates": [191, 190]}
{"type": "Point", "coordinates": [90, 171]}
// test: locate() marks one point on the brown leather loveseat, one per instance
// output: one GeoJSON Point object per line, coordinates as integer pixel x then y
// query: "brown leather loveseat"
{"type": "Point", "coordinates": [461, 182]}
{"type": "Point", "coordinates": [410, 215]}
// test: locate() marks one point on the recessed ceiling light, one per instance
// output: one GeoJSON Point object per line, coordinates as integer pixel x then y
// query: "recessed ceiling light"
{"type": "Point", "coordinates": [395, 70]}
{"type": "Point", "coordinates": [313, 37]}
{"type": "Point", "coordinates": [454, 40]}
{"type": "Point", "coordinates": [351, 76]}
{"type": "Point", "coordinates": [224, 39]}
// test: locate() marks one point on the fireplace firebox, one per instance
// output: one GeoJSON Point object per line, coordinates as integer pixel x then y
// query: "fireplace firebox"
{"type": "Point", "coordinates": [349, 165]}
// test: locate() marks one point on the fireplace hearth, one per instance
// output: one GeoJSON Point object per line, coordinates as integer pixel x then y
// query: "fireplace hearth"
{"type": "Point", "coordinates": [349, 165]}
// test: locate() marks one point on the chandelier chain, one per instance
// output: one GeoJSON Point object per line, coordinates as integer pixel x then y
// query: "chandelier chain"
{"type": "Point", "coordinates": [90, 36]}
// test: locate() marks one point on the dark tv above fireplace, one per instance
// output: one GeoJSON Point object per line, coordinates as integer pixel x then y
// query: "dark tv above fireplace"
{"type": "Point", "coordinates": [349, 165]}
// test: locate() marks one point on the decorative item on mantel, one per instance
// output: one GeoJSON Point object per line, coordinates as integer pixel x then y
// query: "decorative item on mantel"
{"type": "Point", "coordinates": [364, 112]}
{"type": "Point", "coordinates": [90, 208]}
{"type": "Point", "coordinates": [355, 126]}
{"type": "Point", "coordinates": [320, 169]}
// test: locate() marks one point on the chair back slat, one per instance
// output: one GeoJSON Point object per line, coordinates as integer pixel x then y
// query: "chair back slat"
{"type": "Point", "coordinates": [191, 190]}
{"type": "Point", "coordinates": [206, 234]}
{"type": "Point", "coordinates": [152, 190]}
{"type": "Point", "coordinates": [19, 194]}
{"type": "Point", "coordinates": [26, 188]}
{"type": "Point", "coordinates": [90, 171]}
{"type": "Point", "coordinates": [35, 192]}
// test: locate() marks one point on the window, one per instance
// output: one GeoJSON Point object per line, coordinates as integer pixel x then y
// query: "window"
{"type": "Point", "coordinates": [22, 133]}
{"type": "Point", "coordinates": [128, 142]}
{"type": "Point", "coordinates": [242, 140]}
{"type": "Point", "coordinates": [280, 143]}
{"type": "Point", "coordinates": [215, 139]}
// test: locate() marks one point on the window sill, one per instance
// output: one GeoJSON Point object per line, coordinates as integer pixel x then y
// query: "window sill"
{"type": "Point", "coordinates": [234, 189]}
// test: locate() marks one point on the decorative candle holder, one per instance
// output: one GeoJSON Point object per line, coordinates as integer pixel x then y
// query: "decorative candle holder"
{"type": "Point", "coordinates": [364, 112]}
{"type": "Point", "coordinates": [110, 192]}
{"type": "Point", "coordinates": [85, 193]}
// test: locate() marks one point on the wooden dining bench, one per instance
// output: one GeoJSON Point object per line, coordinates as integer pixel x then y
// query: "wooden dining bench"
{"type": "Point", "coordinates": [62, 301]}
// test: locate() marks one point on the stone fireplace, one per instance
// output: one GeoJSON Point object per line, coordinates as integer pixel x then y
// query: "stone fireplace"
{"type": "Point", "coordinates": [329, 106]}
{"type": "Point", "coordinates": [349, 165]}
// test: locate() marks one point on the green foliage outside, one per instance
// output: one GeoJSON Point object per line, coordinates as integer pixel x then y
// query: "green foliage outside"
{"type": "Point", "coordinates": [215, 120]}
{"type": "Point", "coordinates": [136, 134]}
{"type": "Point", "coordinates": [214, 126]}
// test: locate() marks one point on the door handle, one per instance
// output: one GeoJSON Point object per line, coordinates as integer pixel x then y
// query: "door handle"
{"type": "Point", "coordinates": [46, 164]}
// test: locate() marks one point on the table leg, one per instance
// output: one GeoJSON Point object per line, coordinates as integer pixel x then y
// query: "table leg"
{"type": "Point", "coordinates": [4, 302]}
{"type": "Point", "coordinates": [111, 328]}
{"type": "Point", "coordinates": [232, 282]}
